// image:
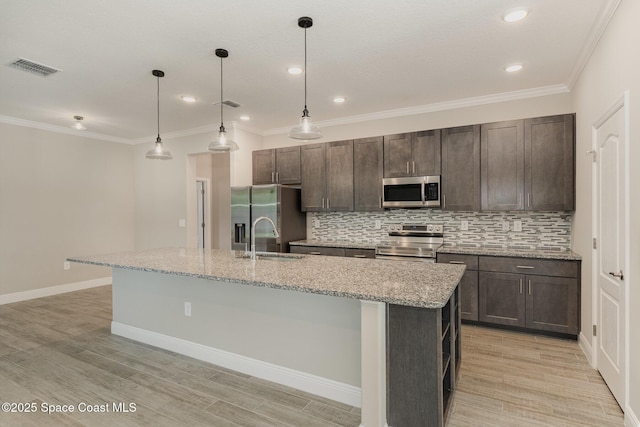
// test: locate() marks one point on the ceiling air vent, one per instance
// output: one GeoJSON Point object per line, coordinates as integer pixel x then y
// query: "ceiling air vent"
{"type": "Point", "coordinates": [33, 67]}
{"type": "Point", "coordinates": [229, 103]}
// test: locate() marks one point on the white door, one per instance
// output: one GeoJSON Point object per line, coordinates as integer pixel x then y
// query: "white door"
{"type": "Point", "coordinates": [610, 255]}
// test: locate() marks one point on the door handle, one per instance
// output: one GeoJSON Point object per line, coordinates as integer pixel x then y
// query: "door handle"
{"type": "Point", "coordinates": [618, 275]}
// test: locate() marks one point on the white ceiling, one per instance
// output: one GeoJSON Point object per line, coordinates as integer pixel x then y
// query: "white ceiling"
{"type": "Point", "coordinates": [382, 55]}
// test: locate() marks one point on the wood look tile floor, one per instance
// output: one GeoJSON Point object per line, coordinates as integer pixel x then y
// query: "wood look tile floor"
{"type": "Point", "coordinates": [59, 350]}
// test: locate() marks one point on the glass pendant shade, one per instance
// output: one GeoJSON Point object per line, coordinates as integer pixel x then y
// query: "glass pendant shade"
{"type": "Point", "coordinates": [306, 130]}
{"type": "Point", "coordinates": [221, 143]}
{"type": "Point", "coordinates": [158, 152]}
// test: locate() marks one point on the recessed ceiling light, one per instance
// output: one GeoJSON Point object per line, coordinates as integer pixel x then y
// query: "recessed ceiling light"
{"type": "Point", "coordinates": [187, 98]}
{"type": "Point", "coordinates": [515, 15]}
{"type": "Point", "coordinates": [513, 68]}
{"type": "Point", "coordinates": [339, 99]}
{"type": "Point", "coordinates": [294, 70]}
{"type": "Point", "coordinates": [245, 118]}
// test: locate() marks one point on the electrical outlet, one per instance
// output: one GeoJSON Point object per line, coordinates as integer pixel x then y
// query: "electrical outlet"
{"type": "Point", "coordinates": [67, 265]}
{"type": "Point", "coordinates": [464, 225]}
{"type": "Point", "coordinates": [517, 225]}
{"type": "Point", "coordinates": [182, 223]}
{"type": "Point", "coordinates": [316, 223]}
{"type": "Point", "coordinates": [187, 309]}
{"type": "Point", "coordinates": [378, 224]}
{"type": "Point", "coordinates": [505, 225]}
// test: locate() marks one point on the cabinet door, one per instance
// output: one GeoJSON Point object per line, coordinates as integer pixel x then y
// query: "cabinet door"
{"type": "Point", "coordinates": [339, 176]}
{"type": "Point", "coordinates": [367, 174]}
{"type": "Point", "coordinates": [552, 304]}
{"type": "Point", "coordinates": [461, 168]}
{"type": "Point", "coordinates": [469, 295]}
{"type": "Point", "coordinates": [426, 153]}
{"type": "Point", "coordinates": [549, 163]}
{"type": "Point", "coordinates": [397, 155]}
{"type": "Point", "coordinates": [314, 177]}
{"type": "Point", "coordinates": [288, 165]}
{"type": "Point", "coordinates": [501, 298]}
{"type": "Point", "coordinates": [502, 166]}
{"type": "Point", "coordinates": [264, 166]}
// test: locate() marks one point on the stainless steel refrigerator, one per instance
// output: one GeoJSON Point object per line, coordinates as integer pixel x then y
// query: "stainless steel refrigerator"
{"type": "Point", "coordinates": [279, 203]}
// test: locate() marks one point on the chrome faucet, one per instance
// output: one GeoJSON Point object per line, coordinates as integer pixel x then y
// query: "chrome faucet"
{"type": "Point", "coordinates": [253, 233]}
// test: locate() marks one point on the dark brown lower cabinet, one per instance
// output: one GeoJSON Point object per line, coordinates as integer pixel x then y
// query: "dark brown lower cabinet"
{"type": "Point", "coordinates": [542, 295]}
{"type": "Point", "coordinates": [423, 363]}
{"type": "Point", "coordinates": [468, 284]}
{"type": "Point", "coordinates": [333, 251]}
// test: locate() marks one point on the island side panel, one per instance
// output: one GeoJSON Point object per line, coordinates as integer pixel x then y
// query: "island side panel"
{"type": "Point", "coordinates": [310, 333]}
{"type": "Point", "coordinates": [414, 366]}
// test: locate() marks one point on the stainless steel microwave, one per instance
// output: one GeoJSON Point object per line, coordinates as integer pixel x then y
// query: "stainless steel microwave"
{"type": "Point", "coordinates": [411, 192]}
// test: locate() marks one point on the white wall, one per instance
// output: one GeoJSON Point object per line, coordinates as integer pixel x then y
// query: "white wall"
{"type": "Point", "coordinates": [613, 68]}
{"type": "Point", "coordinates": [60, 195]}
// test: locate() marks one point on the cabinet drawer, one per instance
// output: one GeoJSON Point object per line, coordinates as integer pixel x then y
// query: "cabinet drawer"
{"type": "Point", "coordinates": [471, 261]}
{"type": "Point", "coordinates": [530, 266]}
{"type": "Point", "coordinates": [360, 253]}
{"type": "Point", "coordinates": [318, 250]}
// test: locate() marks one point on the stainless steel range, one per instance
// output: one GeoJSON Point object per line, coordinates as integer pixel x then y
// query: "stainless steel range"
{"type": "Point", "coordinates": [410, 242]}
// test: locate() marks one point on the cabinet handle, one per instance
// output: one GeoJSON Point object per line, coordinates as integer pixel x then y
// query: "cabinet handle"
{"type": "Point", "coordinates": [315, 253]}
{"type": "Point", "coordinates": [529, 287]}
{"type": "Point", "coordinates": [273, 174]}
{"type": "Point", "coordinates": [528, 200]}
{"type": "Point", "coordinates": [519, 199]}
{"type": "Point", "coordinates": [380, 202]}
{"type": "Point", "coordinates": [323, 203]}
{"type": "Point", "coordinates": [520, 285]}
{"type": "Point", "coordinates": [359, 256]}
{"type": "Point", "coordinates": [444, 201]}
{"type": "Point", "coordinates": [456, 262]}
{"type": "Point", "coordinates": [407, 168]}
{"type": "Point", "coordinates": [277, 177]}
{"type": "Point", "coordinates": [414, 167]}
{"type": "Point", "coordinates": [328, 204]}
{"type": "Point", "coordinates": [526, 267]}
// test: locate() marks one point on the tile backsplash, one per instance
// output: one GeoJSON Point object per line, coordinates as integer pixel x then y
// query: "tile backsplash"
{"type": "Point", "coordinates": [539, 230]}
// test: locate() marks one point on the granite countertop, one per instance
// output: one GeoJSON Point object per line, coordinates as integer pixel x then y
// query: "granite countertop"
{"type": "Point", "coordinates": [407, 283]}
{"type": "Point", "coordinates": [512, 252]}
{"type": "Point", "coordinates": [334, 244]}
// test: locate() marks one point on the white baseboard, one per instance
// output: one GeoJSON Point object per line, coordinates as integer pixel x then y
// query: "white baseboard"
{"type": "Point", "coordinates": [630, 418]}
{"type": "Point", "coordinates": [585, 345]}
{"type": "Point", "coordinates": [53, 290]}
{"type": "Point", "coordinates": [330, 389]}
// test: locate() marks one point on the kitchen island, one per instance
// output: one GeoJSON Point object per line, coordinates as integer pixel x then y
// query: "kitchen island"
{"type": "Point", "coordinates": [328, 337]}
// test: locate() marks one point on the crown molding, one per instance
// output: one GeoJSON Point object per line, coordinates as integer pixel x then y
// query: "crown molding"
{"type": "Point", "coordinates": [439, 106]}
{"type": "Point", "coordinates": [599, 27]}
{"type": "Point", "coordinates": [61, 129]}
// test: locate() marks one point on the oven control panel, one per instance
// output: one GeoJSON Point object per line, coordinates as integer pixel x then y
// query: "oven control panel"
{"type": "Point", "coordinates": [429, 228]}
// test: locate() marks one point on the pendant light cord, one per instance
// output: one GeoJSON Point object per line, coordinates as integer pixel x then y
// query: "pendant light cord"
{"type": "Point", "coordinates": [158, 104]}
{"type": "Point", "coordinates": [221, 97]}
{"type": "Point", "coordinates": [305, 68]}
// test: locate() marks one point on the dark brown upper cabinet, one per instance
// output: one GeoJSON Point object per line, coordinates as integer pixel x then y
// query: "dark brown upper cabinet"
{"type": "Point", "coordinates": [412, 154]}
{"type": "Point", "coordinates": [327, 176]}
{"type": "Point", "coordinates": [461, 168]}
{"type": "Point", "coordinates": [367, 174]}
{"type": "Point", "coordinates": [528, 164]}
{"type": "Point", "coordinates": [277, 166]}
{"type": "Point", "coordinates": [549, 156]}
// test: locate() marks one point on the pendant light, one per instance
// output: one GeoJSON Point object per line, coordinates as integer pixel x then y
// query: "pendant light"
{"type": "Point", "coordinates": [221, 143]}
{"type": "Point", "coordinates": [78, 124]}
{"type": "Point", "coordinates": [158, 153]}
{"type": "Point", "coordinates": [306, 130]}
